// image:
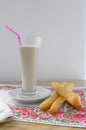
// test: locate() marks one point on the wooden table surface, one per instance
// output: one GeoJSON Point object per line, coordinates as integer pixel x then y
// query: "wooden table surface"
{"type": "Point", "coordinates": [16, 125]}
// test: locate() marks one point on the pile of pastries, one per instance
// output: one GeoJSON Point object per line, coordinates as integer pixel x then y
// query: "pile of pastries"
{"type": "Point", "coordinates": [62, 92]}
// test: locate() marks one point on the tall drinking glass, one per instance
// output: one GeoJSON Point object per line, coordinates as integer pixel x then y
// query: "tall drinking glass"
{"type": "Point", "coordinates": [28, 59]}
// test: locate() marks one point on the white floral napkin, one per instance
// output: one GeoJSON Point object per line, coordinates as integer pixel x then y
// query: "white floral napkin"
{"type": "Point", "coordinates": [5, 112]}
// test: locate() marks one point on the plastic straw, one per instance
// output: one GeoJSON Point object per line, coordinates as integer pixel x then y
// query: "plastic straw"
{"type": "Point", "coordinates": [15, 33]}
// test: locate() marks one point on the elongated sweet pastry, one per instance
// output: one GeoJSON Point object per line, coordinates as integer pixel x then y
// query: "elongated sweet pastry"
{"type": "Point", "coordinates": [56, 105]}
{"type": "Point", "coordinates": [48, 102]}
{"type": "Point", "coordinates": [71, 97]}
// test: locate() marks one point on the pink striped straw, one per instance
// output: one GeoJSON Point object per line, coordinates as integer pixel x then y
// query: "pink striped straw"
{"type": "Point", "coordinates": [15, 33]}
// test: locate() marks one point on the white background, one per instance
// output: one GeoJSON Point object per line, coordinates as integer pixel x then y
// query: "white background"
{"type": "Point", "coordinates": [60, 23]}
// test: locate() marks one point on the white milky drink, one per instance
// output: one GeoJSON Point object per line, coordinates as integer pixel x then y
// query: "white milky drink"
{"type": "Point", "coordinates": [28, 58]}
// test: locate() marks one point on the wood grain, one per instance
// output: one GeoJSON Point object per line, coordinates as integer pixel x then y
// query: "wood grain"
{"type": "Point", "coordinates": [16, 125]}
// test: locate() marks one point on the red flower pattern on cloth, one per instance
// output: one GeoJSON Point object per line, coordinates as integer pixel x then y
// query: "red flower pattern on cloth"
{"type": "Point", "coordinates": [59, 115]}
{"type": "Point", "coordinates": [8, 87]}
